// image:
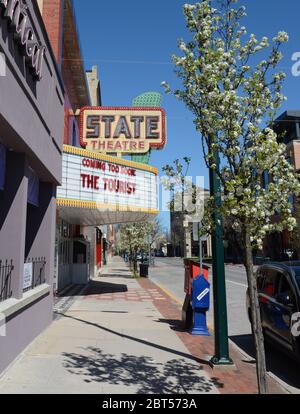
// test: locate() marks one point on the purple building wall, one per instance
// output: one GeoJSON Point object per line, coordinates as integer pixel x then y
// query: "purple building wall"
{"type": "Point", "coordinates": [32, 130]}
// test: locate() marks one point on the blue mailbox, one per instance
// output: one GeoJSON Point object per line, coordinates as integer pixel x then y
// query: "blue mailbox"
{"type": "Point", "coordinates": [200, 305]}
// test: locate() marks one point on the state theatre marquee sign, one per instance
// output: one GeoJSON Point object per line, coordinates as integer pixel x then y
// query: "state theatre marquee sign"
{"type": "Point", "coordinates": [122, 130]}
{"type": "Point", "coordinates": [95, 181]}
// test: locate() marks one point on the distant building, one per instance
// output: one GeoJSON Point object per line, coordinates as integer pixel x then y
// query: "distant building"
{"type": "Point", "coordinates": [282, 246]}
{"type": "Point", "coordinates": [94, 86]}
{"type": "Point", "coordinates": [182, 243]}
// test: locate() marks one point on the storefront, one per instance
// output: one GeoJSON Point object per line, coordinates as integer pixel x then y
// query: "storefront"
{"type": "Point", "coordinates": [31, 138]}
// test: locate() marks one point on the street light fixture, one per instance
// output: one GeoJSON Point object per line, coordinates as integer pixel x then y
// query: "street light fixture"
{"type": "Point", "coordinates": [221, 356]}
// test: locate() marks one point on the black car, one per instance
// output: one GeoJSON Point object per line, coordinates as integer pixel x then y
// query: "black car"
{"type": "Point", "coordinates": [159, 253]}
{"type": "Point", "coordinates": [279, 301]}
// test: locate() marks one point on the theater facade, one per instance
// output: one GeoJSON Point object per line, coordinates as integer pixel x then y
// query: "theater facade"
{"type": "Point", "coordinates": [100, 188]}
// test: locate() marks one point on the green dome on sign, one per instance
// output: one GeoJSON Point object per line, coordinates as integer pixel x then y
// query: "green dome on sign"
{"type": "Point", "coordinates": [146, 99]}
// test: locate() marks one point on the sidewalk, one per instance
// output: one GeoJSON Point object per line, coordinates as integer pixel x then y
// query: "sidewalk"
{"type": "Point", "coordinates": [122, 336]}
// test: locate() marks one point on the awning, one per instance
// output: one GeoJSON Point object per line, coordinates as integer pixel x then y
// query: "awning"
{"type": "Point", "coordinates": [91, 214]}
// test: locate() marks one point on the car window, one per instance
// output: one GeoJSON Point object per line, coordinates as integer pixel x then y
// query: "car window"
{"type": "Point", "coordinates": [269, 282]}
{"type": "Point", "coordinates": [260, 279]}
{"type": "Point", "coordinates": [298, 281]}
{"type": "Point", "coordinates": [297, 274]}
{"type": "Point", "coordinates": [285, 288]}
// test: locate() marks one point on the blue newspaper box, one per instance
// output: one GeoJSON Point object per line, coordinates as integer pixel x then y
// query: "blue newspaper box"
{"type": "Point", "coordinates": [200, 305]}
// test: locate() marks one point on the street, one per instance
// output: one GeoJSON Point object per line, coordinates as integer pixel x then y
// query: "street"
{"type": "Point", "coordinates": [169, 274]}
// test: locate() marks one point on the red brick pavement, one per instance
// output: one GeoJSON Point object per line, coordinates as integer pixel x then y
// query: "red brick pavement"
{"type": "Point", "coordinates": [134, 295]}
{"type": "Point", "coordinates": [240, 379]}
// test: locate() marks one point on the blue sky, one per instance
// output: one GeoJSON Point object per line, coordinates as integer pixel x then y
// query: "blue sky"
{"type": "Point", "coordinates": [132, 42]}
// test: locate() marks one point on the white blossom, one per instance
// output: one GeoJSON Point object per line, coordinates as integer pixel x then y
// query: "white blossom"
{"type": "Point", "coordinates": [281, 37]}
{"type": "Point", "coordinates": [228, 89]}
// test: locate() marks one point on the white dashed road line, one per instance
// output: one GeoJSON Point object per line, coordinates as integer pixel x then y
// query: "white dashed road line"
{"type": "Point", "coordinates": [236, 283]}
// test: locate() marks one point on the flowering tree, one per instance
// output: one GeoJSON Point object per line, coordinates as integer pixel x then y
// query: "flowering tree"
{"type": "Point", "coordinates": [133, 239]}
{"type": "Point", "coordinates": [136, 237]}
{"type": "Point", "coordinates": [233, 92]}
{"type": "Point", "coordinates": [187, 198]}
{"type": "Point", "coordinates": [175, 181]}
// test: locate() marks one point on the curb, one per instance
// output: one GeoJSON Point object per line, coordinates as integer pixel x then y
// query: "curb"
{"type": "Point", "coordinates": [175, 299]}
{"type": "Point", "coordinates": [231, 343]}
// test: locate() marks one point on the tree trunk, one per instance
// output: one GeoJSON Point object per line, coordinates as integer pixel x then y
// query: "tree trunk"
{"type": "Point", "coordinates": [131, 259]}
{"type": "Point", "coordinates": [261, 369]}
{"type": "Point", "coordinates": [135, 267]}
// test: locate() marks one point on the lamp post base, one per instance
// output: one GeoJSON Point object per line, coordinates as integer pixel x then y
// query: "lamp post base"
{"type": "Point", "coordinates": [218, 362]}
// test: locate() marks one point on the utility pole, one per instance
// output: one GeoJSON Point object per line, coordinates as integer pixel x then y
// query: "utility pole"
{"type": "Point", "coordinates": [150, 250]}
{"type": "Point", "coordinates": [200, 249]}
{"type": "Point", "coordinates": [221, 356]}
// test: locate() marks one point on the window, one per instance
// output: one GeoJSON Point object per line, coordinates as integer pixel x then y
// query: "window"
{"type": "Point", "coordinates": [270, 282]}
{"type": "Point", "coordinates": [33, 188]}
{"type": "Point", "coordinates": [2, 166]}
{"type": "Point", "coordinates": [260, 281]}
{"type": "Point", "coordinates": [285, 289]}
{"type": "Point", "coordinates": [266, 180]}
{"type": "Point", "coordinates": [297, 274]}
{"type": "Point", "coordinates": [292, 202]}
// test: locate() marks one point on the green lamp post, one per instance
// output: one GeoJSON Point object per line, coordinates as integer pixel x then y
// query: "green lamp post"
{"type": "Point", "coordinates": [221, 356]}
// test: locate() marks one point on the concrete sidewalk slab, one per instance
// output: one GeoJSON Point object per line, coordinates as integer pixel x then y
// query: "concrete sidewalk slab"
{"type": "Point", "coordinates": [105, 346]}
{"type": "Point", "coordinates": [238, 379]}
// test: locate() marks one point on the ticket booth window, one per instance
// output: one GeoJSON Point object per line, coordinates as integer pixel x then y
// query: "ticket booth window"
{"type": "Point", "coordinates": [2, 166]}
{"type": "Point", "coordinates": [79, 252]}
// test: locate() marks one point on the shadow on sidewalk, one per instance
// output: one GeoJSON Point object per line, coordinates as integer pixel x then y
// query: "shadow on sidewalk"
{"type": "Point", "coordinates": [138, 340]}
{"type": "Point", "coordinates": [174, 324]}
{"type": "Point", "coordinates": [176, 376]}
{"type": "Point", "coordinates": [95, 287]}
{"type": "Point", "coordinates": [278, 362]}
{"type": "Point", "coordinates": [117, 273]}
{"type": "Point", "coordinates": [122, 270]}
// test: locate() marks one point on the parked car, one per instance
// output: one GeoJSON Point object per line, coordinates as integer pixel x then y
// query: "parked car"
{"type": "Point", "coordinates": [159, 253]}
{"type": "Point", "coordinates": [142, 257]}
{"type": "Point", "coordinates": [279, 301]}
